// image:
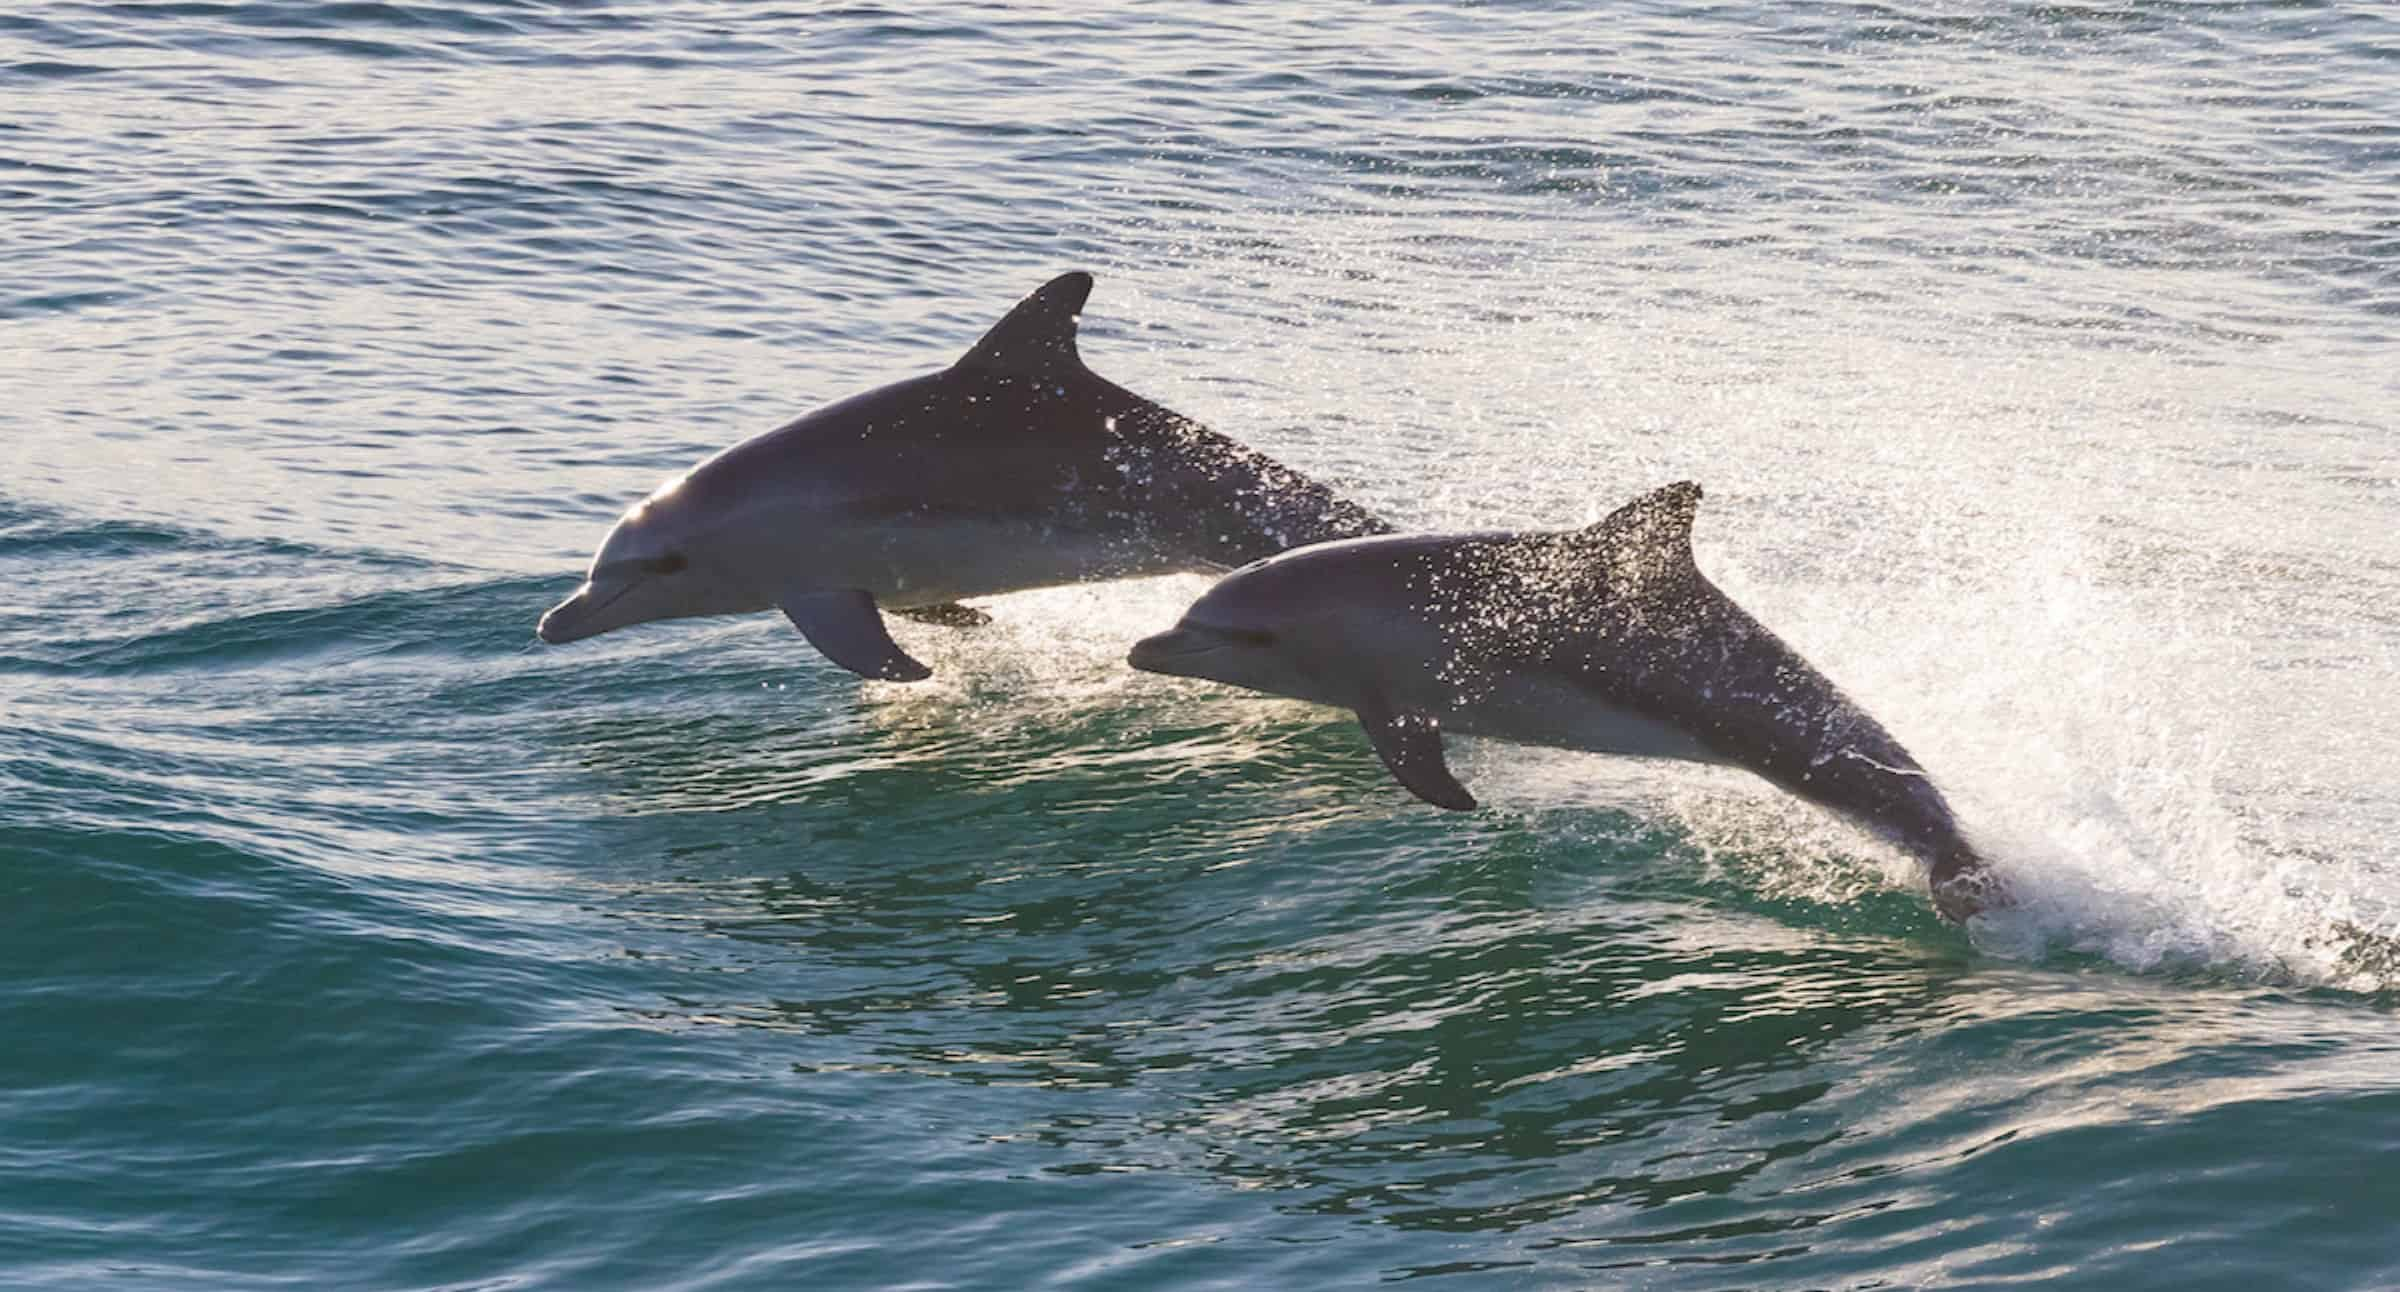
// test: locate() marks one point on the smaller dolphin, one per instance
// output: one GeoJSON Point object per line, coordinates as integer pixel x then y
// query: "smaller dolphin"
{"type": "Point", "coordinates": [1606, 639]}
{"type": "Point", "coordinates": [1016, 467]}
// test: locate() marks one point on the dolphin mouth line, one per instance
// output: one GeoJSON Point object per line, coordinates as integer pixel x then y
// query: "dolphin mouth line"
{"type": "Point", "coordinates": [557, 634]}
{"type": "Point", "coordinates": [1165, 651]}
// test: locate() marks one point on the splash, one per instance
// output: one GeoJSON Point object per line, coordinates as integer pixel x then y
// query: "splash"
{"type": "Point", "coordinates": [2127, 597]}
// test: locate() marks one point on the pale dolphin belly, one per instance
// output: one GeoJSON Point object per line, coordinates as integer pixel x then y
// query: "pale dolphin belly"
{"type": "Point", "coordinates": [1545, 711]}
{"type": "Point", "coordinates": [933, 561]}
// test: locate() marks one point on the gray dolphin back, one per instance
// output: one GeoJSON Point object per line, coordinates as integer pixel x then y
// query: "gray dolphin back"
{"type": "Point", "coordinates": [1020, 429]}
{"type": "Point", "coordinates": [1191, 489]}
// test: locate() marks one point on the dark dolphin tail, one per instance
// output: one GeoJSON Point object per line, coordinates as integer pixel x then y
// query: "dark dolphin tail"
{"type": "Point", "coordinates": [1963, 884]}
{"type": "Point", "coordinates": [1283, 509]}
{"type": "Point", "coordinates": [1225, 502]}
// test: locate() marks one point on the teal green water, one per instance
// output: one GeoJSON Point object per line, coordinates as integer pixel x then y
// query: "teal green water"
{"type": "Point", "coordinates": [2037, 360]}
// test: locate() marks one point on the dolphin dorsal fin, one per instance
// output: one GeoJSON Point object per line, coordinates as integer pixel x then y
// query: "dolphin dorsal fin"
{"type": "Point", "coordinates": [1038, 336]}
{"type": "Point", "coordinates": [1657, 525]}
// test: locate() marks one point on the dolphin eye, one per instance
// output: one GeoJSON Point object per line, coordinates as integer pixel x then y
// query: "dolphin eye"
{"type": "Point", "coordinates": [671, 563]}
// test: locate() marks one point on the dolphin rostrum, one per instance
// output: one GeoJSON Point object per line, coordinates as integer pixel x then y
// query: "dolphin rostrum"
{"type": "Point", "coordinates": [1607, 639]}
{"type": "Point", "coordinates": [1016, 467]}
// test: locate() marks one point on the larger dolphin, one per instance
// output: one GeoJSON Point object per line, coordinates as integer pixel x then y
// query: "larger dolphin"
{"type": "Point", "coordinates": [1607, 639]}
{"type": "Point", "coordinates": [1016, 467]}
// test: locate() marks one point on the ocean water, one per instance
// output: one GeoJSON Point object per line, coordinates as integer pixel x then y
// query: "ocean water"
{"type": "Point", "coordinates": [2038, 359]}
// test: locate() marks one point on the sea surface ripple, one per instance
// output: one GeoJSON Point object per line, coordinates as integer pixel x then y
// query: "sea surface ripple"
{"type": "Point", "coordinates": [2038, 362]}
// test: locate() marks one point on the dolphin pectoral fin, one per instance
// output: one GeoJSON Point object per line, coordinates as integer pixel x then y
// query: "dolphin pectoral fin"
{"type": "Point", "coordinates": [848, 630]}
{"type": "Point", "coordinates": [949, 614]}
{"type": "Point", "coordinates": [1410, 745]}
